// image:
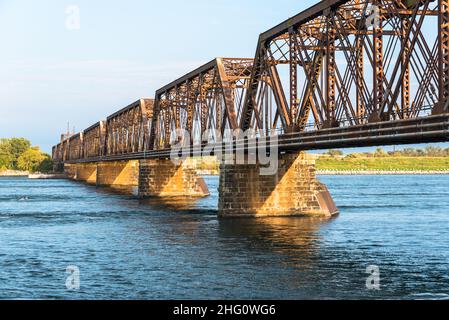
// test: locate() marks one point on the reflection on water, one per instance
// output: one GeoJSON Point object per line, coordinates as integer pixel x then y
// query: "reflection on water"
{"type": "Point", "coordinates": [132, 248]}
{"type": "Point", "coordinates": [171, 203]}
{"type": "Point", "coordinates": [117, 189]}
{"type": "Point", "coordinates": [294, 232]}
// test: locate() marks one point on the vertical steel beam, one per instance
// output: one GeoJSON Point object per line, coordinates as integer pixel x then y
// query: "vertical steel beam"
{"type": "Point", "coordinates": [378, 70]}
{"type": "Point", "coordinates": [203, 108]}
{"type": "Point", "coordinates": [330, 72]}
{"type": "Point", "coordinates": [151, 139]}
{"type": "Point", "coordinates": [443, 68]}
{"type": "Point", "coordinates": [256, 76]}
{"type": "Point", "coordinates": [191, 100]}
{"type": "Point", "coordinates": [168, 125]}
{"type": "Point", "coordinates": [293, 78]}
{"type": "Point", "coordinates": [228, 95]}
{"type": "Point", "coordinates": [279, 97]}
{"type": "Point", "coordinates": [177, 108]}
{"type": "Point", "coordinates": [360, 71]}
{"type": "Point", "coordinates": [405, 64]}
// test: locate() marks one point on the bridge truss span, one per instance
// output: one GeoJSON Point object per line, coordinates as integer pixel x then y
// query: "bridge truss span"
{"type": "Point", "coordinates": [127, 129]}
{"type": "Point", "coordinates": [346, 63]}
{"type": "Point", "coordinates": [342, 73]}
{"type": "Point", "coordinates": [207, 100]}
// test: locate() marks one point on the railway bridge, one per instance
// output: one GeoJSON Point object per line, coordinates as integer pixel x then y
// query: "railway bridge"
{"type": "Point", "coordinates": [342, 73]}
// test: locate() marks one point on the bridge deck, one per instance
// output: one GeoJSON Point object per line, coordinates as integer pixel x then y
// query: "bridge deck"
{"type": "Point", "coordinates": [413, 131]}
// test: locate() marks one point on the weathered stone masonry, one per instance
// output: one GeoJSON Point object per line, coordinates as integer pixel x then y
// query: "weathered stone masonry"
{"type": "Point", "coordinates": [243, 191]}
{"type": "Point", "coordinates": [163, 178]}
{"type": "Point", "coordinates": [86, 172]}
{"type": "Point", "coordinates": [293, 190]}
{"type": "Point", "coordinates": [118, 173]}
{"type": "Point", "coordinates": [153, 178]}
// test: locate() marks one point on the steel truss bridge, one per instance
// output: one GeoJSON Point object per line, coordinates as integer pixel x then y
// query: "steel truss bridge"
{"type": "Point", "coordinates": [343, 73]}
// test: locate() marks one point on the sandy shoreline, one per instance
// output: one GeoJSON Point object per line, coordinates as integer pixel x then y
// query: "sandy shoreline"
{"type": "Point", "coordinates": [14, 173]}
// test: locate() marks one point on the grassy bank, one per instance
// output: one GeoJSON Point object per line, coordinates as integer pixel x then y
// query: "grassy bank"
{"type": "Point", "coordinates": [384, 163]}
{"type": "Point", "coordinates": [361, 163]}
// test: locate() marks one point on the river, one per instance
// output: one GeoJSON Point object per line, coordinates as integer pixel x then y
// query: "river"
{"type": "Point", "coordinates": [126, 248]}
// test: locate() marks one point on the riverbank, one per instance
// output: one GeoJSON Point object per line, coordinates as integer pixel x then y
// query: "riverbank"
{"type": "Point", "coordinates": [352, 164]}
{"type": "Point", "coordinates": [386, 165]}
{"type": "Point", "coordinates": [14, 173]}
{"type": "Point", "coordinates": [356, 172]}
{"type": "Point", "coordinates": [378, 172]}
{"type": "Point", "coordinates": [44, 176]}
{"type": "Point", "coordinates": [47, 176]}
{"type": "Point", "coordinates": [357, 165]}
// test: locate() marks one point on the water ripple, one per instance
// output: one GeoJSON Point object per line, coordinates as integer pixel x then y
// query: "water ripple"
{"type": "Point", "coordinates": [128, 248]}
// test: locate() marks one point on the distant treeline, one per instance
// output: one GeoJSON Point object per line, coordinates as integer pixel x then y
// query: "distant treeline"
{"type": "Point", "coordinates": [18, 154]}
{"type": "Point", "coordinates": [409, 159]}
{"type": "Point", "coordinates": [429, 152]}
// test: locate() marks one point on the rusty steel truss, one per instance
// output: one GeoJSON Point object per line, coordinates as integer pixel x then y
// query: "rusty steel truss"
{"type": "Point", "coordinates": [341, 73]}
{"type": "Point", "coordinates": [127, 129]}
{"type": "Point", "coordinates": [354, 62]}
{"type": "Point", "coordinates": [209, 99]}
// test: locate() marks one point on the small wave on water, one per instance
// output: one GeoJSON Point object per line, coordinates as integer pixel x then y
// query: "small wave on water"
{"type": "Point", "coordinates": [429, 296]}
{"type": "Point", "coordinates": [135, 248]}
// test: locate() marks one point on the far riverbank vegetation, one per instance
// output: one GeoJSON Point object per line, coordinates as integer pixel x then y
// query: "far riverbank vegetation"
{"type": "Point", "coordinates": [17, 154]}
{"type": "Point", "coordinates": [430, 158]}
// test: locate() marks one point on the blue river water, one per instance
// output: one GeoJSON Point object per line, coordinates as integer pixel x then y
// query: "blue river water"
{"type": "Point", "coordinates": [126, 248]}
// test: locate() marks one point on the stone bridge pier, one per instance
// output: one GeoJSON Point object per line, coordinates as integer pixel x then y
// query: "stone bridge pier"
{"type": "Point", "coordinates": [146, 178]}
{"type": "Point", "coordinates": [292, 191]}
{"type": "Point", "coordinates": [163, 178]}
{"type": "Point", "coordinates": [243, 191]}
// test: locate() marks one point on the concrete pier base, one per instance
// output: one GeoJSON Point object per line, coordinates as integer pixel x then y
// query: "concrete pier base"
{"type": "Point", "coordinates": [162, 178]}
{"type": "Point", "coordinates": [292, 191]}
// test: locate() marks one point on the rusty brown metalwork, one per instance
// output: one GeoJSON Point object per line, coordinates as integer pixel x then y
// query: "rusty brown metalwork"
{"type": "Point", "coordinates": [126, 130]}
{"type": "Point", "coordinates": [94, 140]}
{"type": "Point", "coordinates": [356, 60]}
{"type": "Point", "coordinates": [75, 147]}
{"type": "Point", "coordinates": [365, 67]}
{"type": "Point", "coordinates": [207, 99]}
{"type": "Point", "coordinates": [443, 68]}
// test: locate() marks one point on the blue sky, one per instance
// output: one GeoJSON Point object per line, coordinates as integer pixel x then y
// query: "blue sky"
{"type": "Point", "coordinates": [123, 50]}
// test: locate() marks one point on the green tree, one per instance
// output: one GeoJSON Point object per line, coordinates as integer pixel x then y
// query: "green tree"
{"type": "Point", "coordinates": [335, 153]}
{"type": "Point", "coordinates": [46, 165]}
{"type": "Point", "coordinates": [379, 153]}
{"type": "Point", "coordinates": [420, 153]}
{"type": "Point", "coordinates": [446, 152]}
{"type": "Point", "coordinates": [17, 147]}
{"type": "Point", "coordinates": [432, 151]}
{"type": "Point", "coordinates": [6, 159]}
{"type": "Point", "coordinates": [409, 152]}
{"type": "Point", "coordinates": [33, 160]}
{"type": "Point", "coordinates": [10, 151]}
